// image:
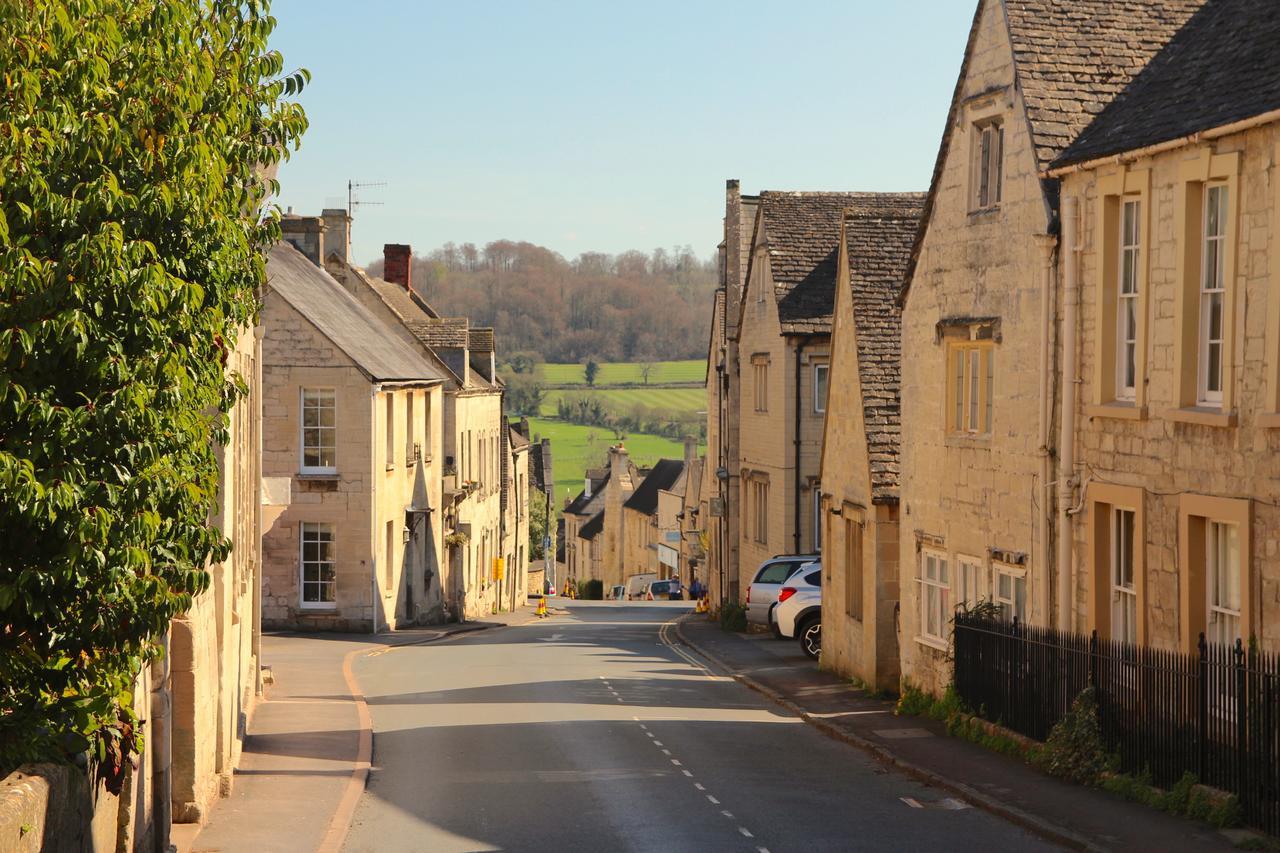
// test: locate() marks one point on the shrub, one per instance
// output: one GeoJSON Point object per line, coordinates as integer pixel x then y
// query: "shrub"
{"type": "Point", "coordinates": [592, 590]}
{"type": "Point", "coordinates": [132, 230]}
{"type": "Point", "coordinates": [733, 616]}
{"type": "Point", "coordinates": [1074, 749]}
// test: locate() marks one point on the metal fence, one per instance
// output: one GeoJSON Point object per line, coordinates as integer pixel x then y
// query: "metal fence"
{"type": "Point", "coordinates": [1215, 714]}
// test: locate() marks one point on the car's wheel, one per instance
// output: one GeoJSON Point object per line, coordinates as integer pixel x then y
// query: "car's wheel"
{"type": "Point", "coordinates": [810, 635]}
{"type": "Point", "coordinates": [773, 626]}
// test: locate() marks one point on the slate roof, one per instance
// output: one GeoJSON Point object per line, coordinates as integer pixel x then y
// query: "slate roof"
{"type": "Point", "coordinates": [582, 501]}
{"type": "Point", "coordinates": [518, 441]}
{"type": "Point", "coordinates": [802, 230]}
{"type": "Point", "coordinates": [1220, 68]}
{"type": "Point", "coordinates": [878, 245]}
{"type": "Point", "coordinates": [481, 340]}
{"type": "Point", "coordinates": [1073, 57]}
{"type": "Point", "coordinates": [343, 320]}
{"type": "Point", "coordinates": [591, 529]}
{"type": "Point", "coordinates": [444, 333]}
{"type": "Point", "coordinates": [661, 477]}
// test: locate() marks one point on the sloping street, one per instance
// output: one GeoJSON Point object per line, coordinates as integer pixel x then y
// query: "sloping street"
{"type": "Point", "coordinates": [596, 731]}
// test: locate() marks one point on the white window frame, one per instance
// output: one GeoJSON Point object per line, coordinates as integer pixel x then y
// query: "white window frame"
{"type": "Point", "coordinates": [935, 595]}
{"type": "Point", "coordinates": [820, 398]}
{"type": "Point", "coordinates": [303, 447]}
{"type": "Point", "coordinates": [1223, 617]}
{"type": "Point", "coordinates": [317, 527]}
{"type": "Point", "coordinates": [1124, 590]}
{"type": "Point", "coordinates": [1128, 289]}
{"type": "Point", "coordinates": [1009, 604]}
{"type": "Point", "coordinates": [817, 519]}
{"type": "Point", "coordinates": [970, 577]}
{"type": "Point", "coordinates": [391, 429]}
{"type": "Point", "coordinates": [1213, 286]}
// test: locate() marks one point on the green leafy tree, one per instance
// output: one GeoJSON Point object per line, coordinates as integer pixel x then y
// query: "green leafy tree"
{"type": "Point", "coordinates": [590, 371]}
{"type": "Point", "coordinates": [539, 524]}
{"type": "Point", "coordinates": [135, 141]}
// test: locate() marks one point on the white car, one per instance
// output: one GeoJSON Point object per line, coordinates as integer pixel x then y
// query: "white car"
{"type": "Point", "coordinates": [762, 593]}
{"type": "Point", "coordinates": [799, 610]}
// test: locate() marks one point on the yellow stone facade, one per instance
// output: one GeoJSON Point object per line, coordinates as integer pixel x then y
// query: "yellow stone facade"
{"type": "Point", "coordinates": [1175, 464]}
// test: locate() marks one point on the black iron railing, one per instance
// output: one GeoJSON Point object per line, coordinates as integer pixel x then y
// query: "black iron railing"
{"type": "Point", "coordinates": [1215, 713]}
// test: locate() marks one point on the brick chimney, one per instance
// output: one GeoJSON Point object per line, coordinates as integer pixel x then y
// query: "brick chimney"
{"type": "Point", "coordinates": [397, 264]}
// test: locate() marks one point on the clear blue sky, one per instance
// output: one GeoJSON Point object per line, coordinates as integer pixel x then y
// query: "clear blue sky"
{"type": "Point", "coordinates": [608, 126]}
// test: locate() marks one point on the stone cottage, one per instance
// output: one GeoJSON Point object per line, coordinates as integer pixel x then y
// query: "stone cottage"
{"type": "Point", "coordinates": [978, 487]}
{"type": "Point", "coordinates": [859, 469]}
{"type": "Point", "coordinates": [352, 419]}
{"type": "Point", "coordinates": [1172, 196]}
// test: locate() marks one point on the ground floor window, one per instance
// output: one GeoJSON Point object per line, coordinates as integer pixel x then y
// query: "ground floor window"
{"type": "Point", "coordinates": [319, 573]}
{"type": "Point", "coordinates": [935, 596]}
{"type": "Point", "coordinates": [853, 579]}
{"type": "Point", "coordinates": [1222, 565]}
{"type": "Point", "coordinates": [969, 573]}
{"type": "Point", "coordinates": [1011, 592]}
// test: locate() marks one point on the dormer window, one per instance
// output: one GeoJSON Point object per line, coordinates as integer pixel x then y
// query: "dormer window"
{"type": "Point", "coordinates": [988, 163]}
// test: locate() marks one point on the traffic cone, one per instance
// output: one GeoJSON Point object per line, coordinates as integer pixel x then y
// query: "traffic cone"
{"type": "Point", "coordinates": [542, 606]}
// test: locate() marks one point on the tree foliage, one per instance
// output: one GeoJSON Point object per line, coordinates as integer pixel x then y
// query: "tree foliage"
{"type": "Point", "coordinates": [135, 136]}
{"type": "Point", "coordinates": [538, 523]}
{"type": "Point", "coordinates": [626, 307]}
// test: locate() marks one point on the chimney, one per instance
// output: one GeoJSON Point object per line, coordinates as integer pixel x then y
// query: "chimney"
{"type": "Point", "coordinates": [586, 489]}
{"type": "Point", "coordinates": [524, 426]}
{"type": "Point", "coordinates": [337, 236]}
{"type": "Point", "coordinates": [397, 264]}
{"type": "Point", "coordinates": [306, 234]}
{"type": "Point", "coordinates": [733, 252]}
{"type": "Point", "coordinates": [690, 451]}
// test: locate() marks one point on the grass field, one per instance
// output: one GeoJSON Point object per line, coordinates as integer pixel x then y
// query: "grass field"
{"type": "Point", "coordinates": [614, 373]}
{"type": "Point", "coordinates": [673, 400]}
{"type": "Point", "coordinates": [574, 450]}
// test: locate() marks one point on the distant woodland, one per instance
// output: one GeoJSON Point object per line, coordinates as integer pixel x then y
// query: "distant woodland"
{"type": "Point", "coordinates": [627, 307]}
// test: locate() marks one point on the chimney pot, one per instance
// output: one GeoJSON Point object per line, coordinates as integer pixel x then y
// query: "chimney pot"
{"type": "Point", "coordinates": [397, 264]}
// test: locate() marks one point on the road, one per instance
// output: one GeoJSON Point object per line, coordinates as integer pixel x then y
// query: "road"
{"type": "Point", "coordinates": [596, 731]}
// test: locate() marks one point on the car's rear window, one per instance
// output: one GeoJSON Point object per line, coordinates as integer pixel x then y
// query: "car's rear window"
{"type": "Point", "coordinates": [775, 573]}
{"type": "Point", "coordinates": [814, 578]}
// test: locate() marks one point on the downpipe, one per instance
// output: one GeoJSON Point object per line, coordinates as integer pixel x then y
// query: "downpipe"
{"type": "Point", "coordinates": [161, 746]}
{"type": "Point", "coordinates": [1066, 455]}
{"type": "Point", "coordinates": [1044, 518]}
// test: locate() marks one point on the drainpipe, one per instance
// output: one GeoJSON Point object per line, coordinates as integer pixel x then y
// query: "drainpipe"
{"type": "Point", "coordinates": [800, 343]}
{"type": "Point", "coordinates": [1067, 434]}
{"type": "Point", "coordinates": [1047, 243]}
{"type": "Point", "coordinates": [373, 507]}
{"type": "Point", "coordinates": [258, 332]}
{"type": "Point", "coordinates": [162, 746]}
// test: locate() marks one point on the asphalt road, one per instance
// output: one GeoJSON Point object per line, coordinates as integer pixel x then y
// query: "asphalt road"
{"type": "Point", "coordinates": [596, 731]}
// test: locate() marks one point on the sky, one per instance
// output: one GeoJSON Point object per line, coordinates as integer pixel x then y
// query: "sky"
{"type": "Point", "coordinates": [606, 126]}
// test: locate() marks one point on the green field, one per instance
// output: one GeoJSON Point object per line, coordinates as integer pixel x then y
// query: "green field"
{"type": "Point", "coordinates": [616, 373]}
{"type": "Point", "coordinates": [573, 451]}
{"type": "Point", "coordinates": [673, 400]}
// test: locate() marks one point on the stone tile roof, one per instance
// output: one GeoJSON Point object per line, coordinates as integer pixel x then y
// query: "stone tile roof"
{"type": "Point", "coordinates": [1073, 57]}
{"type": "Point", "coordinates": [325, 304]}
{"type": "Point", "coordinates": [582, 503]}
{"type": "Point", "coordinates": [1220, 68]}
{"type": "Point", "coordinates": [878, 244]}
{"type": "Point", "coordinates": [518, 441]}
{"type": "Point", "coordinates": [802, 230]}
{"type": "Point", "coordinates": [591, 529]}
{"type": "Point", "coordinates": [480, 340]}
{"type": "Point", "coordinates": [662, 476]}
{"type": "Point", "coordinates": [445, 333]}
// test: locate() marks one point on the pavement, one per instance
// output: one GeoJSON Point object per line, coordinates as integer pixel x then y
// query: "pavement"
{"type": "Point", "coordinates": [307, 751]}
{"type": "Point", "coordinates": [596, 730]}
{"type": "Point", "coordinates": [1058, 811]}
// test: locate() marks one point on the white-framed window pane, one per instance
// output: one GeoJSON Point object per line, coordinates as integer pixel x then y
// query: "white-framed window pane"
{"type": "Point", "coordinates": [319, 431]}
{"type": "Point", "coordinates": [1212, 295]}
{"type": "Point", "coordinates": [1127, 295]}
{"type": "Point", "coordinates": [998, 156]}
{"type": "Point", "coordinates": [1011, 595]}
{"type": "Point", "coordinates": [319, 579]}
{"type": "Point", "coordinates": [820, 373]}
{"type": "Point", "coordinates": [959, 383]}
{"type": "Point", "coordinates": [989, 357]}
{"type": "Point", "coordinates": [1124, 595]}
{"type": "Point", "coordinates": [974, 358]}
{"type": "Point", "coordinates": [1223, 576]}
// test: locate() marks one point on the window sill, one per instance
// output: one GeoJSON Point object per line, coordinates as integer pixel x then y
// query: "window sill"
{"type": "Point", "coordinates": [960, 439]}
{"type": "Point", "coordinates": [1202, 416]}
{"type": "Point", "coordinates": [318, 475]}
{"type": "Point", "coordinates": [983, 212]}
{"type": "Point", "coordinates": [1117, 409]}
{"type": "Point", "coordinates": [327, 607]}
{"type": "Point", "coordinates": [930, 642]}
{"type": "Point", "coordinates": [1270, 420]}
{"type": "Point", "coordinates": [391, 468]}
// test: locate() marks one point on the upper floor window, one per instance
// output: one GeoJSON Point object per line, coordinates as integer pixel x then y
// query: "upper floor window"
{"type": "Point", "coordinates": [410, 446]}
{"type": "Point", "coordinates": [319, 431]}
{"type": "Point", "coordinates": [1212, 295]}
{"type": "Point", "coordinates": [988, 163]}
{"type": "Point", "coordinates": [971, 379]}
{"type": "Point", "coordinates": [391, 428]}
{"type": "Point", "coordinates": [1127, 302]}
{"type": "Point", "coordinates": [760, 382]}
{"type": "Point", "coordinates": [820, 374]}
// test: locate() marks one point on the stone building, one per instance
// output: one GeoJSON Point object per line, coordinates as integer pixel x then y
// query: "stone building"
{"type": "Point", "coordinates": [980, 310]}
{"type": "Point", "coordinates": [579, 565]}
{"type": "Point", "coordinates": [719, 502]}
{"type": "Point", "coordinates": [1172, 195]}
{"type": "Point", "coordinates": [859, 469]}
{"type": "Point", "coordinates": [352, 420]}
{"type": "Point", "coordinates": [514, 573]}
{"type": "Point", "coordinates": [641, 538]}
{"type": "Point", "coordinates": [782, 336]}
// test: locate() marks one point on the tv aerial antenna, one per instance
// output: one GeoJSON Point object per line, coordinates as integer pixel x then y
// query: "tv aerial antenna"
{"type": "Point", "coordinates": [353, 189]}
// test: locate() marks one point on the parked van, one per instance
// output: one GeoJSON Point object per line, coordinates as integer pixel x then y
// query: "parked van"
{"type": "Point", "coordinates": [637, 583]}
